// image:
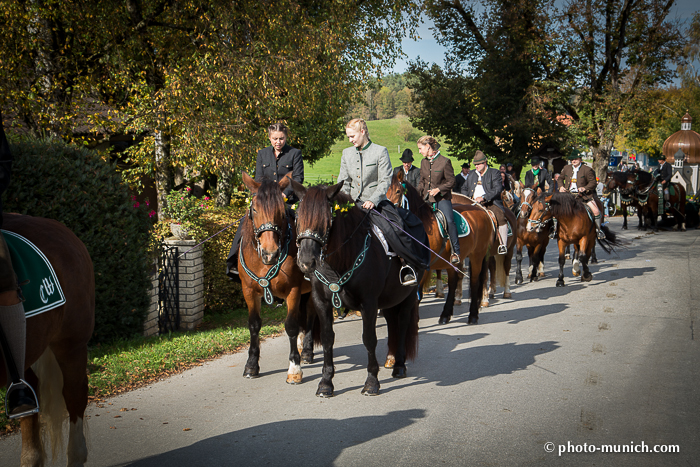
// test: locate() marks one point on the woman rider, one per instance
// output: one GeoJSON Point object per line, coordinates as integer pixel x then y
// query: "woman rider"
{"type": "Point", "coordinates": [20, 400]}
{"type": "Point", "coordinates": [366, 170]}
{"type": "Point", "coordinates": [273, 163]}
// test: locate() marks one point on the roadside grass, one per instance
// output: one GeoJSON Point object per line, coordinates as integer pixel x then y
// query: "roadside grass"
{"type": "Point", "coordinates": [131, 363]}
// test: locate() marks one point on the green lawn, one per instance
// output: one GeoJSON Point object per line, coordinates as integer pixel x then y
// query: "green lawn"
{"type": "Point", "coordinates": [382, 132]}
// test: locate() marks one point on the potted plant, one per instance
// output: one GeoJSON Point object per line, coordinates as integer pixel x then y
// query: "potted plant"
{"type": "Point", "coordinates": [185, 211]}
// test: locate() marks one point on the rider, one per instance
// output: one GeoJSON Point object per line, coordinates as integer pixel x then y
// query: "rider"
{"type": "Point", "coordinates": [436, 181]}
{"type": "Point", "coordinates": [484, 186]}
{"type": "Point", "coordinates": [411, 173]}
{"type": "Point", "coordinates": [273, 163]}
{"type": "Point", "coordinates": [580, 179]}
{"type": "Point", "coordinates": [538, 176]}
{"type": "Point", "coordinates": [20, 399]}
{"type": "Point", "coordinates": [366, 170]}
{"type": "Point", "coordinates": [664, 173]}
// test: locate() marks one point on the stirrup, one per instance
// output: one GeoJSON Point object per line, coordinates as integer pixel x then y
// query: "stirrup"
{"type": "Point", "coordinates": [601, 234]}
{"type": "Point", "coordinates": [454, 258]}
{"type": "Point", "coordinates": [502, 250]}
{"type": "Point", "coordinates": [407, 275]}
{"type": "Point", "coordinates": [26, 403]}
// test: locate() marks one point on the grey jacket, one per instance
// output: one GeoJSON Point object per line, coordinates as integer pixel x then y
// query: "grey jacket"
{"type": "Point", "coordinates": [413, 175]}
{"type": "Point", "coordinates": [366, 173]}
{"type": "Point", "coordinates": [491, 182]}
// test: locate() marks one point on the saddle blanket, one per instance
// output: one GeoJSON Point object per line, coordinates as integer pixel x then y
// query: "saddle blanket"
{"type": "Point", "coordinates": [463, 228]}
{"type": "Point", "coordinates": [36, 276]}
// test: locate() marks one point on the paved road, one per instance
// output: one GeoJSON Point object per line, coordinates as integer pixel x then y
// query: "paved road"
{"type": "Point", "coordinates": [612, 362]}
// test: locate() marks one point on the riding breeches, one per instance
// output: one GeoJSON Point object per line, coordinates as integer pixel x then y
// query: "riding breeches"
{"type": "Point", "coordinates": [445, 206]}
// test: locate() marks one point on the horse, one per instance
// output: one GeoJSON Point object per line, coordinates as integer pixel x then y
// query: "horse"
{"type": "Point", "coordinates": [575, 226]}
{"type": "Point", "coordinates": [623, 182]}
{"type": "Point", "coordinates": [476, 246]}
{"type": "Point", "coordinates": [57, 342]}
{"type": "Point", "coordinates": [648, 199]}
{"type": "Point", "coordinates": [268, 268]}
{"type": "Point", "coordinates": [347, 265]}
{"type": "Point", "coordinates": [536, 241]}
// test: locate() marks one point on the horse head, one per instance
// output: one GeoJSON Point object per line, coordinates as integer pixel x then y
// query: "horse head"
{"type": "Point", "coordinates": [540, 213]}
{"type": "Point", "coordinates": [527, 196]}
{"type": "Point", "coordinates": [314, 222]}
{"type": "Point", "coordinates": [267, 215]}
{"type": "Point", "coordinates": [397, 189]}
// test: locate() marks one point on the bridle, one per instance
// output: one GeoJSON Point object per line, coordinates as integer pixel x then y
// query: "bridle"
{"type": "Point", "coordinates": [525, 195]}
{"type": "Point", "coordinates": [538, 223]}
{"type": "Point", "coordinates": [322, 240]}
{"type": "Point", "coordinates": [266, 227]}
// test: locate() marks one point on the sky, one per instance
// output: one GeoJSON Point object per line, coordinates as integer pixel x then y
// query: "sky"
{"type": "Point", "coordinates": [428, 49]}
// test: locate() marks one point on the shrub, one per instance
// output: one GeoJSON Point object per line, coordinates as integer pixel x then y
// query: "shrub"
{"type": "Point", "coordinates": [83, 191]}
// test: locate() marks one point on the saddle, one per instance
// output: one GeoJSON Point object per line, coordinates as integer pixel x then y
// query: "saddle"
{"type": "Point", "coordinates": [463, 228]}
{"type": "Point", "coordinates": [35, 275]}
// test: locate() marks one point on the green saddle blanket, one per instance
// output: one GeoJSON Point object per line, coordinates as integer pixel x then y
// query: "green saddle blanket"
{"type": "Point", "coordinates": [461, 223]}
{"type": "Point", "coordinates": [36, 277]}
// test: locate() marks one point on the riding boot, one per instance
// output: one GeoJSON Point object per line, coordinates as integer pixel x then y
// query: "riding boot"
{"type": "Point", "coordinates": [20, 399]}
{"type": "Point", "coordinates": [503, 233]}
{"type": "Point", "coordinates": [598, 222]}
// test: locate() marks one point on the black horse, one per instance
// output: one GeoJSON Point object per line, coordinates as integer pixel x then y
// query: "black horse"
{"type": "Point", "coordinates": [347, 266]}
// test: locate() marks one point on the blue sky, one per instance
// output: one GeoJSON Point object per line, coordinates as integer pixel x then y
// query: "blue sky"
{"type": "Point", "coordinates": [428, 49]}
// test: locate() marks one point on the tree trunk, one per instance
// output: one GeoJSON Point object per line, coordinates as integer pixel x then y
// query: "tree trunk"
{"type": "Point", "coordinates": [601, 159]}
{"type": "Point", "coordinates": [163, 175]}
{"type": "Point", "coordinates": [224, 188]}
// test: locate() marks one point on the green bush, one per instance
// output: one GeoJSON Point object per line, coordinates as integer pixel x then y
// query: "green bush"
{"type": "Point", "coordinates": [83, 191]}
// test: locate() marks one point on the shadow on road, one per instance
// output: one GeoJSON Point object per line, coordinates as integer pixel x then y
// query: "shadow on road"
{"type": "Point", "coordinates": [289, 442]}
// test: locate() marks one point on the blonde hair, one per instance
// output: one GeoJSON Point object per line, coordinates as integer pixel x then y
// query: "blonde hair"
{"type": "Point", "coordinates": [430, 141]}
{"type": "Point", "coordinates": [358, 124]}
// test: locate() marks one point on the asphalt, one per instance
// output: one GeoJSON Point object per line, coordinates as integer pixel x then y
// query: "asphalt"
{"type": "Point", "coordinates": [609, 364]}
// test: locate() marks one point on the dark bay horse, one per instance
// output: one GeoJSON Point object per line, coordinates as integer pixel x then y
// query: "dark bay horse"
{"type": "Point", "coordinates": [648, 198]}
{"type": "Point", "coordinates": [268, 252]}
{"type": "Point", "coordinates": [575, 228]}
{"type": "Point", "coordinates": [347, 266]}
{"type": "Point", "coordinates": [624, 183]}
{"type": "Point", "coordinates": [536, 241]}
{"type": "Point", "coordinates": [476, 246]}
{"type": "Point", "coordinates": [57, 341]}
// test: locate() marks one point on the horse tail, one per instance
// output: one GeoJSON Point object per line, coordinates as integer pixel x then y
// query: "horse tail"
{"type": "Point", "coordinates": [53, 411]}
{"type": "Point", "coordinates": [500, 271]}
{"type": "Point", "coordinates": [610, 242]}
{"type": "Point", "coordinates": [412, 333]}
{"type": "Point", "coordinates": [478, 291]}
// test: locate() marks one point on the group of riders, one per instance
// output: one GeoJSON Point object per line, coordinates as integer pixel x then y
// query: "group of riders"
{"type": "Point", "coordinates": [366, 171]}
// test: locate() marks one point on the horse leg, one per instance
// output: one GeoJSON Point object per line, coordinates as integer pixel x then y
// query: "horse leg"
{"type": "Point", "coordinates": [252, 368]}
{"type": "Point", "coordinates": [369, 339]}
{"type": "Point", "coordinates": [519, 263]}
{"type": "Point", "coordinates": [392, 324]}
{"type": "Point", "coordinates": [586, 275]}
{"type": "Point", "coordinates": [624, 217]}
{"type": "Point", "coordinates": [72, 364]}
{"type": "Point", "coordinates": [594, 258]}
{"type": "Point", "coordinates": [568, 251]}
{"type": "Point", "coordinates": [397, 345]}
{"type": "Point", "coordinates": [33, 454]}
{"type": "Point", "coordinates": [291, 326]}
{"type": "Point", "coordinates": [562, 262]}
{"type": "Point", "coordinates": [325, 316]}
{"type": "Point", "coordinates": [439, 287]}
{"type": "Point", "coordinates": [448, 309]}
{"type": "Point", "coordinates": [478, 271]}
{"type": "Point", "coordinates": [576, 263]}
{"type": "Point", "coordinates": [536, 265]}
{"type": "Point", "coordinates": [307, 341]}
{"type": "Point", "coordinates": [492, 280]}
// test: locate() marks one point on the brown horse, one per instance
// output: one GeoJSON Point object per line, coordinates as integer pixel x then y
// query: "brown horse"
{"type": "Point", "coordinates": [535, 241]}
{"type": "Point", "coordinates": [623, 182]}
{"type": "Point", "coordinates": [268, 268]}
{"type": "Point", "coordinates": [575, 227]}
{"type": "Point", "coordinates": [648, 198]}
{"type": "Point", "coordinates": [57, 342]}
{"type": "Point", "coordinates": [476, 246]}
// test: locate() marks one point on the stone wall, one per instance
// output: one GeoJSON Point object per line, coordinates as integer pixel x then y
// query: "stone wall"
{"type": "Point", "coordinates": [191, 285]}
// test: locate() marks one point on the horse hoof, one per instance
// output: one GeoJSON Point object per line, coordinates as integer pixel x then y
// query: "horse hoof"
{"type": "Point", "coordinates": [458, 302]}
{"type": "Point", "coordinates": [399, 372]}
{"type": "Point", "coordinates": [294, 379]}
{"type": "Point", "coordinates": [567, 256]}
{"type": "Point", "coordinates": [473, 320]}
{"type": "Point", "coordinates": [536, 278]}
{"type": "Point", "coordinates": [370, 390]}
{"type": "Point", "coordinates": [560, 283]}
{"type": "Point", "coordinates": [484, 304]}
{"type": "Point", "coordinates": [507, 295]}
{"type": "Point", "coordinates": [575, 274]}
{"type": "Point", "coordinates": [540, 275]}
{"type": "Point", "coordinates": [390, 360]}
{"type": "Point", "coordinates": [444, 319]}
{"type": "Point", "coordinates": [324, 392]}
{"type": "Point", "coordinates": [307, 358]}
{"type": "Point", "coordinates": [586, 278]}
{"type": "Point", "coordinates": [518, 280]}
{"type": "Point", "coordinates": [251, 373]}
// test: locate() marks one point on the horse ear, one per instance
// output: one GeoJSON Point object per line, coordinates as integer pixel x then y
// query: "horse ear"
{"type": "Point", "coordinates": [539, 191]}
{"type": "Point", "coordinates": [400, 176]}
{"type": "Point", "coordinates": [284, 183]}
{"type": "Point", "coordinates": [251, 184]}
{"type": "Point", "coordinates": [299, 189]}
{"type": "Point", "coordinates": [332, 191]}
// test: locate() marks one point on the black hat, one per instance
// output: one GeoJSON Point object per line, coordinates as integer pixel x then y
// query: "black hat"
{"type": "Point", "coordinates": [509, 164]}
{"type": "Point", "coordinates": [661, 157]}
{"type": "Point", "coordinates": [465, 165]}
{"type": "Point", "coordinates": [407, 156]}
{"type": "Point", "coordinates": [535, 161]}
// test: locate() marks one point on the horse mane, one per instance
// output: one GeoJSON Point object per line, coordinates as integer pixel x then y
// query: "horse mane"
{"type": "Point", "coordinates": [348, 231]}
{"type": "Point", "coordinates": [563, 204]}
{"type": "Point", "coordinates": [420, 207]}
{"type": "Point", "coordinates": [269, 205]}
{"type": "Point", "coordinates": [620, 177]}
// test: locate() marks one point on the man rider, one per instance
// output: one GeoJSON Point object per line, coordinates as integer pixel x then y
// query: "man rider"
{"type": "Point", "coordinates": [580, 179]}
{"type": "Point", "coordinates": [664, 173]}
{"type": "Point", "coordinates": [538, 176]}
{"type": "Point", "coordinates": [484, 186]}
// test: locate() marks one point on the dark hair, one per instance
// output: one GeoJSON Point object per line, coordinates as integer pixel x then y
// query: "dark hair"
{"type": "Point", "coordinates": [279, 126]}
